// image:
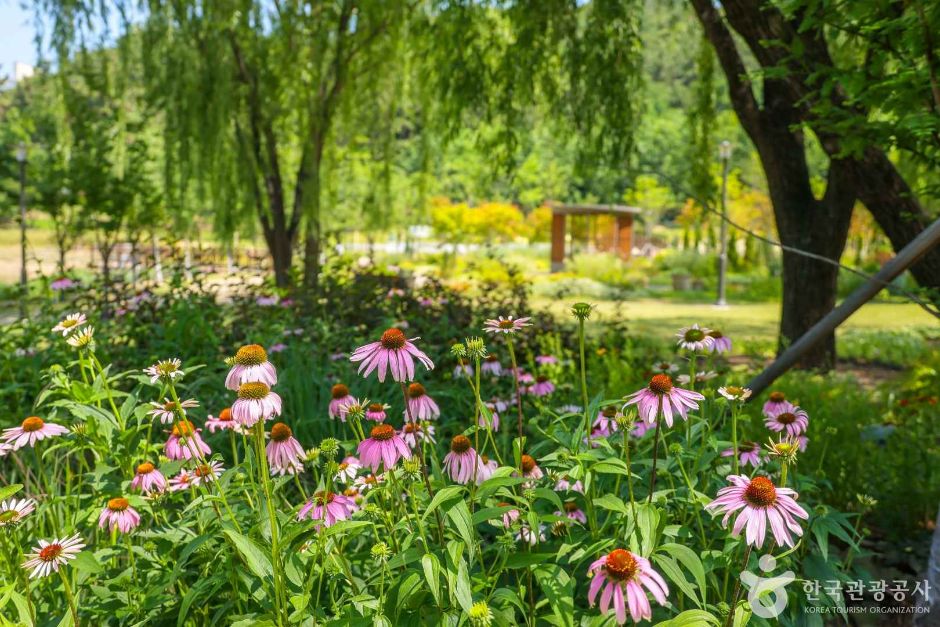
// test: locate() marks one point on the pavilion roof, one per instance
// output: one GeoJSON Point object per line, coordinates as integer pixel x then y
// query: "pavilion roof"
{"type": "Point", "coordinates": [581, 209]}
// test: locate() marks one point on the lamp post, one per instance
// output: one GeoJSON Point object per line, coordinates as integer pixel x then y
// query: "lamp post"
{"type": "Point", "coordinates": [21, 158]}
{"type": "Point", "coordinates": [724, 153]}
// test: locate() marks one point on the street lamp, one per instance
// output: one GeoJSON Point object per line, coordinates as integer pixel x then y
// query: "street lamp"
{"type": "Point", "coordinates": [21, 158]}
{"type": "Point", "coordinates": [724, 153]}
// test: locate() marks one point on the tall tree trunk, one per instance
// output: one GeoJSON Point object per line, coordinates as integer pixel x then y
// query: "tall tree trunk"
{"type": "Point", "coordinates": [312, 232]}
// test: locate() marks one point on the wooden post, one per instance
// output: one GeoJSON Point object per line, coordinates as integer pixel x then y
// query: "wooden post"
{"type": "Point", "coordinates": [558, 241]}
{"type": "Point", "coordinates": [624, 236]}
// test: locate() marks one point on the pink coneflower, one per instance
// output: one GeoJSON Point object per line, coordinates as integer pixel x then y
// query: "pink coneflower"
{"type": "Point", "coordinates": [789, 418]}
{"type": "Point", "coordinates": [776, 402]}
{"type": "Point", "coordinates": [641, 427]}
{"type": "Point", "coordinates": [526, 534]}
{"type": "Point", "coordinates": [327, 508]}
{"type": "Point", "coordinates": [347, 469]}
{"type": "Point", "coordinates": [565, 483]}
{"type": "Point", "coordinates": [339, 399]}
{"type": "Point", "coordinates": [735, 393]}
{"type": "Point", "coordinates": [694, 338]}
{"type": "Point", "coordinates": [184, 441]}
{"type": "Point", "coordinates": [165, 369]}
{"type": "Point", "coordinates": [462, 462]}
{"type": "Point", "coordinates": [625, 578]}
{"type": "Point", "coordinates": [167, 410]}
{"type": "Point", "coordinates": [506, 324]}
{"type": "Point", "coordinates": [255, 402]}
{"type": "Point", "coordinates": [62, 284]}
{"type": "Point", "coordinates": [596, 434]}
{"type": "Point", "coordinates": [251, 366]}
{"type": "Point", "coordinates": [204, 474]}
{"type": "Point", "coordinates": [383, 445]}
{"type": "Point", "coordinates": [530, 469]}
{"type": "Point", "coordinates": [31, 431]}
{"type": "Point", "coordinates": [509, 516]}
{"type": "Point", "coordinates": [546, 360]}
{"type": "Point", "coordinates": [285, 454]}
{"type": "Point", "coordinates": [720, 343]}
{"type": "Point", "coordinates": [491, 366]}
{"type": "Point", "coordinates": [421, 406]}
{"type": "Point", "coordinates": [266, 301]}
{"type": "Point", "coordinates": [69, 323]}
{"type": "Point", "coordinates": [607, 420]}
{"type": "Point", "coordinates": [118, 514]}
{"type": "Point", "coordinates": [494, 418]}
{"type": "Point", "coordinates": [700, 377]}
{"type": "Point", "coordinates": [49, 556]}
{"type": "Point", "coordinates": [413, 433]}
{"type": "Point", "coordinates": [365, 483]}
{"type": "Point", "coordinates": [541, 387]}
{"type": "Point", "coordinates": [463, 370]}
{"type": "Point", "coordinates": [524, 378]}
{"type": "Point", "coordinates": [573, 512]}
{"type": "Point", "coordinates": [394, 353]}
{"type": "Point", "coordinates": [148, 479]}
{"type": "Point", "coordinates": [487, 468]}
{"type": "Point", "coordinates": [182, 481]}
{"type": "Point", "coordinates": [748, 453]}
{"type": "Point", "coordinates": [12, 511]}
{"type": "Point", "coordinates": [801, 442]}
{"type": "Point", "coordinates": [664, 367]}
{"type": "Point", "coordinates": [759, 503]}
{"type": "Point", "coordinates": [661, 396]}
{"type": "Point", "coordinates": [222, 422]}
{"type": "Point", "coordinates": [277, 348]}
{"type": "Point", "coordinates": [376, 412]}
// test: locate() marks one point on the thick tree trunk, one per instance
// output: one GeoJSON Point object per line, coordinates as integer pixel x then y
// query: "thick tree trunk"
{"type": "Point", "coordinates": [312, 233]}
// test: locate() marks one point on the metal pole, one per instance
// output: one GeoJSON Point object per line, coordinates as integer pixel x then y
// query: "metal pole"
{"type": "Point", "coordinates": [21, 157]}
{"type": "Point", "coordinates": [724, 151]}
{"type": "Point", "coordinates": [907, 257]}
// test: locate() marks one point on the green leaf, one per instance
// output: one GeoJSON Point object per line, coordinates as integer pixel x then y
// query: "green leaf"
{"type": "Point", "coordinates": [86, 562]}
{"type": "Point", "coordinates": [448, 494]}
{"type": "Point", "coordinates": [8, 491]}
{"type": "Point", "coordinates": [432, 573]}
{"type": "Point", "coordinates": [693, 564]}
{"type": "Point", "coordinates": [670, 568]}
{"type": "Point", "coordinates": [612, 503]}
{"type": "Point", "coordinates": [462, 588]}
{"type": "Point", "coordinates": [556, 584]}
{"type": "Point", "coordinates": [256, 559]}
{"type": "Point", "coordinates": [459, 514]}
{"type": "Point", "coordinates": [691, 618]}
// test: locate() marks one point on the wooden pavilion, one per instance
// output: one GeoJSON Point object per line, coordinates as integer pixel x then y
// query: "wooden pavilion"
{"type": "Point", "coordinates": [608, 228]}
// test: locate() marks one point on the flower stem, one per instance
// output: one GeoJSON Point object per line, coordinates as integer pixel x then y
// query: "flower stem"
{"type": "Point", "coordinates": [272, 517]}
{"type": "Point", "coordinates": [70, 597]}
{"type": "Point", "coordinates": [424, 467]}
{"type": "Point", "coordinates": [515, 378]}
{"type": "Point", "coordinates": [737, 589]}
{"type": "Point", "coordinates": [584, 394]}
{"type": "Point", "coordinates": [655, 457]}
{"type": "Point", "coordinates": [734, 433]}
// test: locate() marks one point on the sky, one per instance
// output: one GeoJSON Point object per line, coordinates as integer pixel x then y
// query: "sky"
{"type": "Point", "coordinates": [16, 36]}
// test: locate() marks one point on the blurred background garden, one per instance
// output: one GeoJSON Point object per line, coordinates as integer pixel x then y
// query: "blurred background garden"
{"type": "Point", "coordinates": [197, 176]}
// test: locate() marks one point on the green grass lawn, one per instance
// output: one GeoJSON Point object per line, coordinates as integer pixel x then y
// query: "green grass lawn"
{"type": "Point", "coordinates": [751, 320]}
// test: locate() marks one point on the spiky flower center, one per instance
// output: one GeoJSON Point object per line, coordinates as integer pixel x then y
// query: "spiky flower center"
{"type": "Point", "coordinates": [786, 418]}
{"type": "Point", "coordinates": [204, 470]}
{"type": "Point", "coordinates": [382, 433]}
{"type": "Point", "coordinates": [694, 335]}
{"type": "Point", "coordinates": [393, 339]}
{"type": "Point", "coordinates": [351, 492]}
{"type": "Point", "coordinates": [376, 408]}
{"type": "Point", "coordinates": [571, 506]}
{"type": "Point", "coordinates": [171, 406]}
{"type": "Point", "coordinates": [254, 390]}
{"type": "Point", "coordinates": [225, 415]}
{"type": "Point", "coordinates": [609, 412]}
{"type": "Point", "coordinates": [145, 469]}
{"type": "Point", "coordinates": [761, 492]}
{"type": "Point", "coordinates": [491, 358]}
{"type": "Point", "coordinates": [118, 504]}
{"type": "Point", "coordinates": [460, 444]}
{"type": "Point", "coordinates": [748, 447]}
{"type": "Point", "coordinates": [280, 432]}
{"type": "Point", "coordinates": [251, 355]}
{"type": "Point", "coordinates": [50, 552]}
{"type": "Point", "coordinates": [506, 324]}
{"type": "Point", "coordinates": [342, 466]}
{"type": "Point", "coordinates": [541, 378]}
{"type": "Point", "coordinates": [339, 391]}
{"type": "Point", "coordinates": [68, 323]}
{"type": "Point", "coordinates": [183, 429]}
{"type": "Point", "coordinates": [8, 516]}
{"type": "Point", "coordinates": [715, 333]}
{"type": "Point", "coordinates": [661, 384]}
{"type": "Point", "coordinates": [734, 390]}
{"type": "Point", "coordinates": [166, 368]}
{"type": "Point", "coordinates": [416, 390]}
{"type": "Point", "coordinates": [324, 498]}
{"type": "Point", "coordinates": [33, 423]}
{"type": "Point", "coordinates": [621, 565]}
{"type": "Point", "coordinates": [527, 463]}
{"type": "Point", "coordinates": [411, 427]}
{"type": "Point", "coordinates": [777, 397]}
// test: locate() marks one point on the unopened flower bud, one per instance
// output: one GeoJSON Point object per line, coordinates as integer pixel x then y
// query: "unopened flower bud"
{"type": "Point", "coordinates": [476, 349]}
{"type": "Point", "coordinates": [480, 615]}
{"type": "Point", "coordinates": [329, 447]}
{"type": "Point", "coordinates": [380, 552]}
{"type": "Point", "coordinates": [582, 311]}
{"type": "Point", "coordinates": [458, 350]}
